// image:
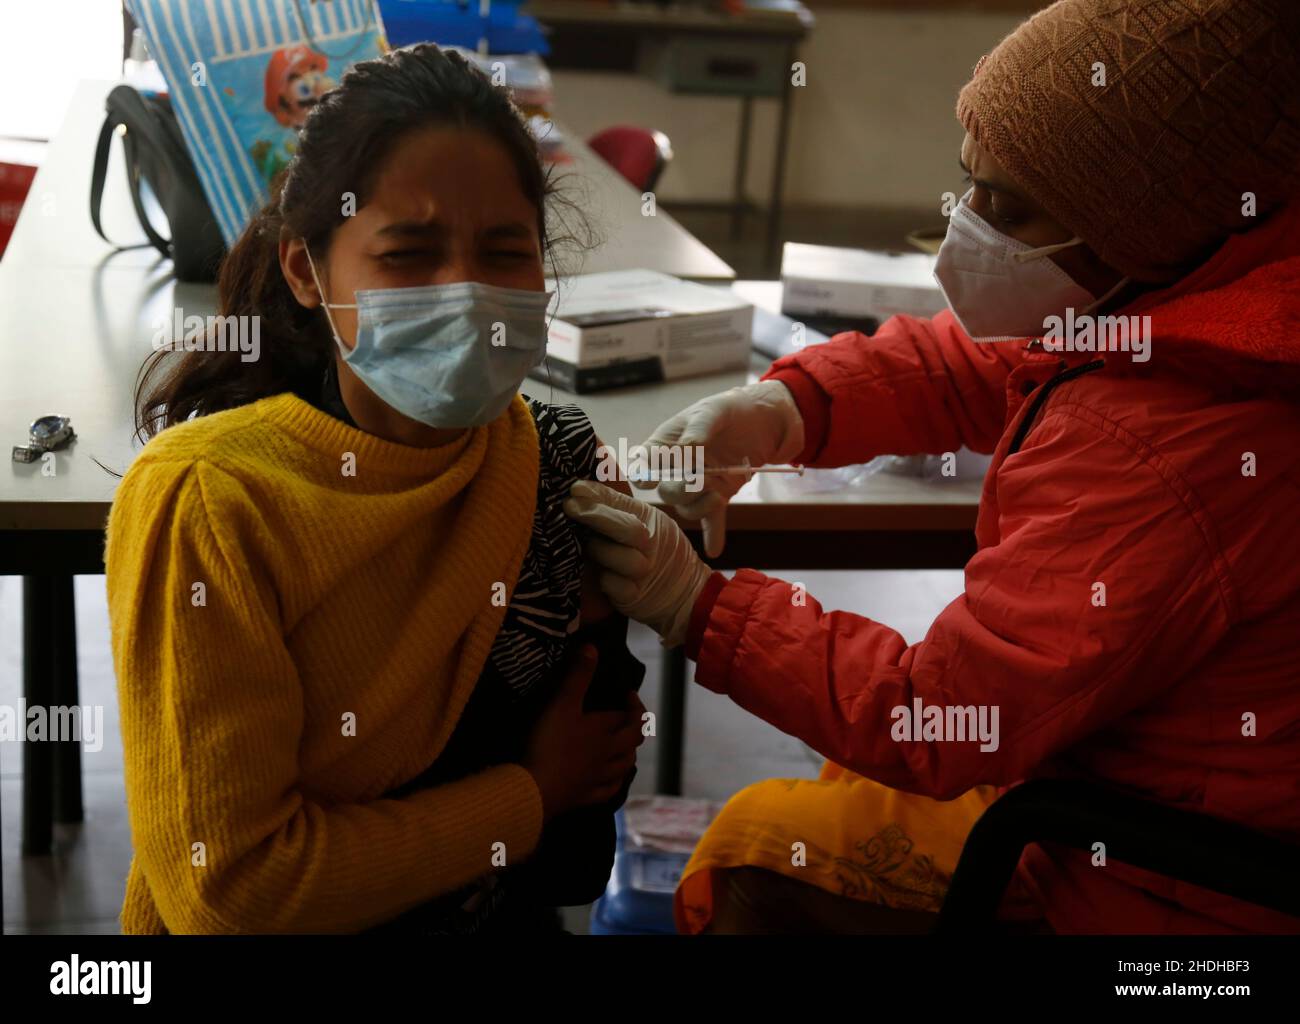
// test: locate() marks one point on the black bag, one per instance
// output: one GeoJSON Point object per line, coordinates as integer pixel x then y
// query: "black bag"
{"type": "Point", "coordinates": [155, 151]}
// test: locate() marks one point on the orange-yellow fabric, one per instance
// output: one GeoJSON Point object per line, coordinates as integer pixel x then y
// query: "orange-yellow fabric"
{"type": "Point", "coordinates": [858, 839]}
{"type": "Point", "coordinates": [299, 612]}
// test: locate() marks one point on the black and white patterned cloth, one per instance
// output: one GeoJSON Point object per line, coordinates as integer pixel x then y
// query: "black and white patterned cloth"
{"type": "Point", "coordinates": [543, 610]}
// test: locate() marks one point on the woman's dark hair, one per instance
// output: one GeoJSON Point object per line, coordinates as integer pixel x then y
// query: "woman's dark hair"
{"type": "Point", "coordinates": [341, 149]}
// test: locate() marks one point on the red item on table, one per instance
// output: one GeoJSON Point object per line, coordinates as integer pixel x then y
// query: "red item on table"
{"type": "Point", "coordinates": [15, 181]}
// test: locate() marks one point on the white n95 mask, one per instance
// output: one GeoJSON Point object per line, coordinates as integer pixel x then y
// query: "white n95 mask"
{"type": "Point", "coordinates": [1000, 289]}
{"type": "Point", "coordinates": [448, 355]}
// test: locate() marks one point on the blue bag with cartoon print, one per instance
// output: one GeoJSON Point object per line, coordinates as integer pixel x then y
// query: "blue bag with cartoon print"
{"type": "Point", "coordinates": [242, 77]}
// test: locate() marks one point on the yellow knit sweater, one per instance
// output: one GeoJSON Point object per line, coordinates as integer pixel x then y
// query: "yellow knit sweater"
{"type": "Point", "coordinates": [299, 612]}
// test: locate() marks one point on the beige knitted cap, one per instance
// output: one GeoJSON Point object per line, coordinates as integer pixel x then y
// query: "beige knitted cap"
{"type": "Point", "coordinates": [1200, 104]}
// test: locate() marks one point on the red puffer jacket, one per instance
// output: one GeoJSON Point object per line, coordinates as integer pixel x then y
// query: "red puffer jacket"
{"type": "Point", "coordinates": [1175, 483]}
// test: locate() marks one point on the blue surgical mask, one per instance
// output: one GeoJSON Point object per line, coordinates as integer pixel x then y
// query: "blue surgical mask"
{"type": "Point", "coordinates": [447, 355]}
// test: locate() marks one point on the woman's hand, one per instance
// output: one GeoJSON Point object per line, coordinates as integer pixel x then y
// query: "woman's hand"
{"type": "Point", "coordinates": [577, 758]}
{"type": "Point", "coordinates": [650, 571]}
{"type": "Point", "coordinates": [755, 425]}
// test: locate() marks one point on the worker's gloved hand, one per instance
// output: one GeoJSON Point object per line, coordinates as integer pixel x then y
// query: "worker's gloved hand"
{"type": "Point", "coordinates": [648, 568]}
{"type": "Point", "coordinates": [752, 425]}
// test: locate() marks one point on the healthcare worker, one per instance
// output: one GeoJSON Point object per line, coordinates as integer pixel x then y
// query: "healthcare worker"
{"type": "Point", "coordinates": [1132, 614]}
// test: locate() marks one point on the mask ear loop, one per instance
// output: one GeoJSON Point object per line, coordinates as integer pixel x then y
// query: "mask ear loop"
{"type": "Point", "coordinates": [1045, 250]}
{"type": "Point", "coordinates": [327, 306]}
{"type": "Point", "coordinates": [1108, 296]}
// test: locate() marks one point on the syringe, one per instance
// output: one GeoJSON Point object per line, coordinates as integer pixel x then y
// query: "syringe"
{"type": "Point", "coordinates": [659, 476]}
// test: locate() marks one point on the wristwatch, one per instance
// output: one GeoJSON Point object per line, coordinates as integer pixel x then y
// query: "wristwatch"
{"type": "Point", "coordinates": [47, 434]}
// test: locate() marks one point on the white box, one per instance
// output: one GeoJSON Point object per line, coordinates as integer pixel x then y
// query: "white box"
{"type": "Point", "coordinates": [824, 281]}
{"type": "Point", "coordinates": [633, 326]}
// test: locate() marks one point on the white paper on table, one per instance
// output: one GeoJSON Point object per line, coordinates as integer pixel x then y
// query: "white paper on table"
{"type": "Point", "coordinates": [670, 824]}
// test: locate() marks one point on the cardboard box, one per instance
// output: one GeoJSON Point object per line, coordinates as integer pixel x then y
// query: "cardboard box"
{"type": "Point", "coordinates": [822, 281]}
{"type": "Point", "coordinates": [635, 326]}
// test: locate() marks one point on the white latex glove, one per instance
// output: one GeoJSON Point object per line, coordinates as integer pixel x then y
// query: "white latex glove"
{"type": "Point", "coordinates": [752, 425]}
{"type": "Point", "coordinates": [648, 568]}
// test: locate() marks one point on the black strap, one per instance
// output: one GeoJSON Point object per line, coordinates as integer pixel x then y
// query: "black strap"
{"type": "Point", "coordinates": [163, 245]}
{"type": "Point", "coordinates": [1043, 394]}
{"type": "Point", "coordinates": [99, 174]}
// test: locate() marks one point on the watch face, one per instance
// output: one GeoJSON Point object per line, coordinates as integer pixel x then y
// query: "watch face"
{"type": "Point", "coordinates": [49, 430]}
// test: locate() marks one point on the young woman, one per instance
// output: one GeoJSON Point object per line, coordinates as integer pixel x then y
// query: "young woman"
{"type": "Point", "coordinates": [354, 643]}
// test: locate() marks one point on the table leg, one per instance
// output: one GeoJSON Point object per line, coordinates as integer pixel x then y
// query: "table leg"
{"type": "Point", "coordinates": [773, 256]}
{"type": "Point", "coordinates": [739, 203]}
{"type": "Point", "coordinates": [68, 808]}
{"type": "Point", "coordinates": [672, 723]}
{"type": "Point", "coordinates": [38, 689]}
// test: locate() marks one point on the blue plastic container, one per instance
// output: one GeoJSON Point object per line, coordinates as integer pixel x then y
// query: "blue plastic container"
{"type": "Point", "coordinates": [452, 24]}
{"type": "Point", "coordinates": [639, 897]}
